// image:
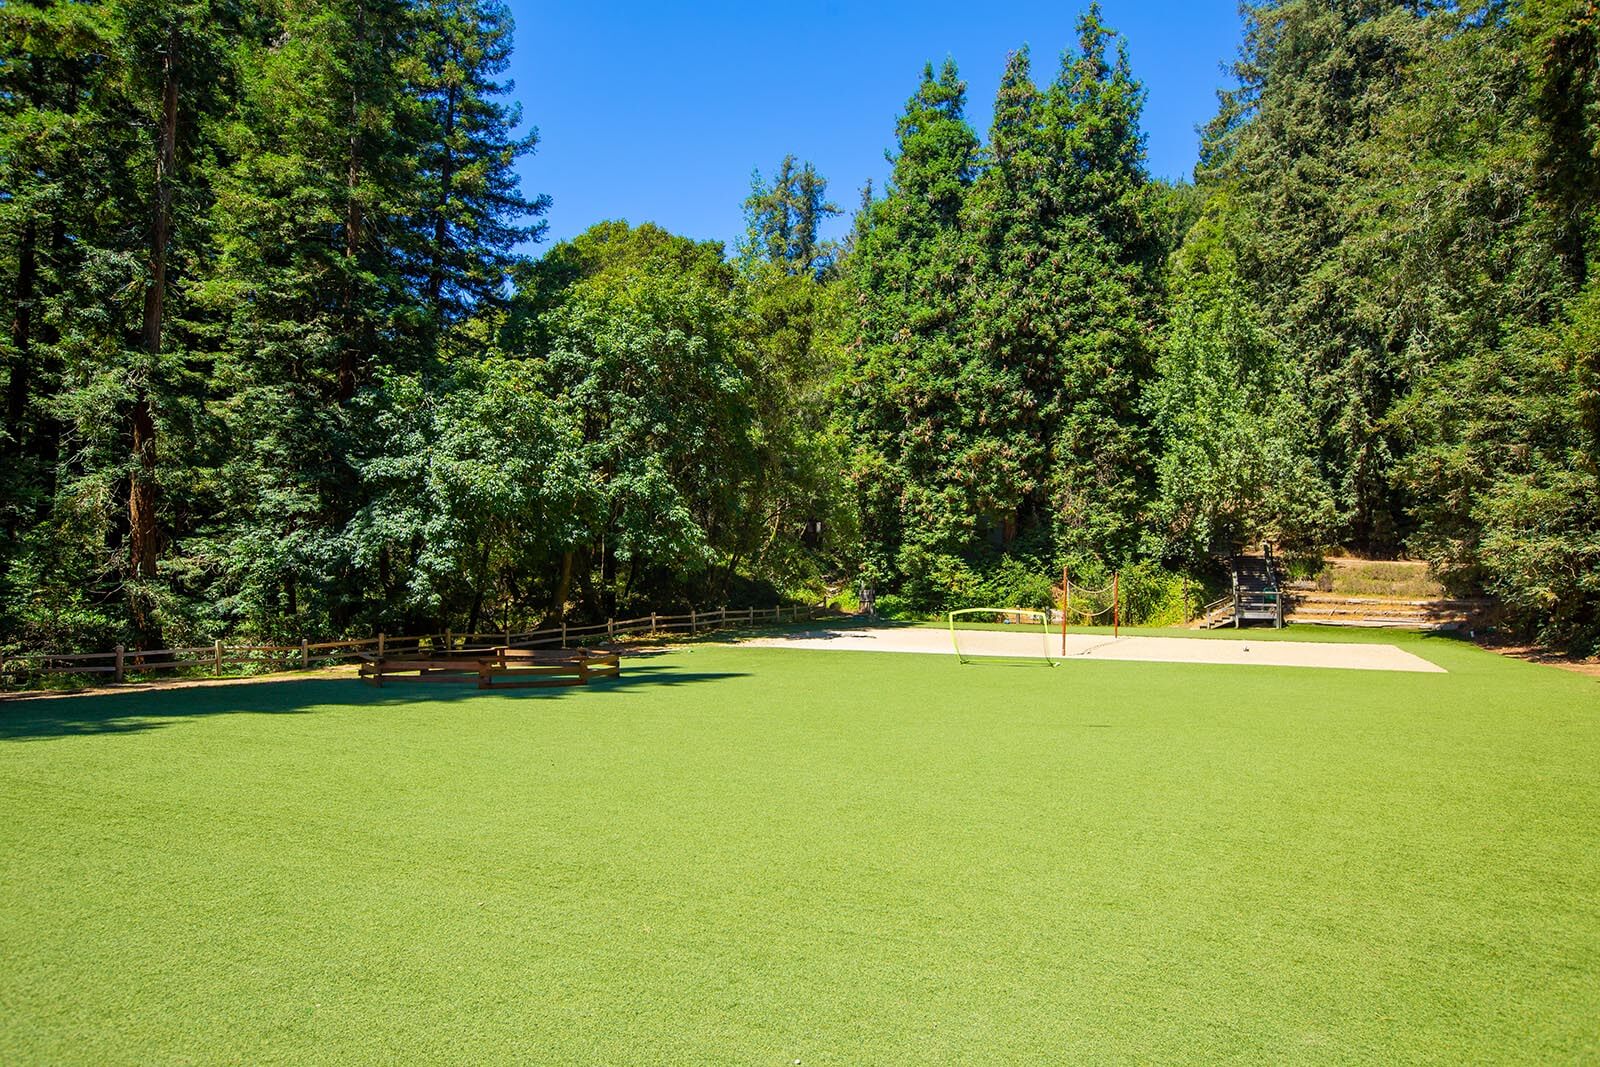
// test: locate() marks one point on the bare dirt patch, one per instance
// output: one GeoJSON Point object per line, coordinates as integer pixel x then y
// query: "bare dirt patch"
{"type": "Point", "coordinates": [1547, 658]}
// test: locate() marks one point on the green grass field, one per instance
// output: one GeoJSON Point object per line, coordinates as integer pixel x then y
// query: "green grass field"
{"type": "Point", "coordinates": [771, 856]}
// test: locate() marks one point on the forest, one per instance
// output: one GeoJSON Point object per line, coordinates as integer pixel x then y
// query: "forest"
{"type": "Point", "coordinates": [284, 354]}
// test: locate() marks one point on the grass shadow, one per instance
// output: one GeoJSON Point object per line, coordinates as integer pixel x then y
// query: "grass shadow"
{"type": "Point", "coordinates": [105, 713]}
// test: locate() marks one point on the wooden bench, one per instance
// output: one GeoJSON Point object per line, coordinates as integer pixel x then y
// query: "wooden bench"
{"type": "Point", "coordinates": [496, 668]}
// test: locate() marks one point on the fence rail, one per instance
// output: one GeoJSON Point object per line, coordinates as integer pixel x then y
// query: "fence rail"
{"type": "Point", "coordinates": [276, 658]}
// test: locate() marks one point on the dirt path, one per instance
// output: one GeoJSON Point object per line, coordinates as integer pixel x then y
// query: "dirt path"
{"type": "Point", "coordinates": [110, 689]}
{"type": "Point", "coordinates": [1360, 657]}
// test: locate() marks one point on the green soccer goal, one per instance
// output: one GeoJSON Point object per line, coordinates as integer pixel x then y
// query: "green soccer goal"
{"type": "Point", "coordinates": [1018, 625]}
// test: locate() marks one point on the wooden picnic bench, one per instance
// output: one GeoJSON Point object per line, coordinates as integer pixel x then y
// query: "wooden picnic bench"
{"type": "Point", "coordinates": [496, 668]}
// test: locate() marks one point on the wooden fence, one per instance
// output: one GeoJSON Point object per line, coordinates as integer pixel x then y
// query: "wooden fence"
{"type": "Point", "coordinates": [120, 663]}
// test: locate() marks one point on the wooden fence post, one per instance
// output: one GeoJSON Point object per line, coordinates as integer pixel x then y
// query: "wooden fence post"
{"type": "Point", "coordinates": [691, 619]}
{"type": "Point", "coordinates": [305, 655]}
{"type": "Point", "coordinates": [380, 644]}
{"type": "Point", "coordinates": [216, 657]}
{"type": "Point", "coordinates": [118, 669]}
{"type": "Point", "coordinates": [611, 628]}
{"type": "Point", "coordinates": [449, 639]}
{"type": "Point", "coordinates": [1116, 605]}
{"type": "Point", "coordinates": [563, 633]}
{"type": "Point", "coordinates": [652, 622]}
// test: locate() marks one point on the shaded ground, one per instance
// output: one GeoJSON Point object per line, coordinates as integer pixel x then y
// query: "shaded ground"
{"type": "Point", "coordinates": [1535, 654]}
{"type": "Point", "coordinates": [746, 855]}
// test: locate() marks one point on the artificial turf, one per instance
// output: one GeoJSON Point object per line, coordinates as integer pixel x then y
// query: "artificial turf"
{"type": "Point", "coordinates": [780, 856]}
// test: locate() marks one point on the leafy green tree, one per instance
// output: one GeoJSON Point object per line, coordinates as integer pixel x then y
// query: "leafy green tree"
{"type": "Point", "coordinates": [1236, 456]}
{"type": "Point", "coordinates": [475, 498]}
{"type": "Point", "coordinates": [635, 342]}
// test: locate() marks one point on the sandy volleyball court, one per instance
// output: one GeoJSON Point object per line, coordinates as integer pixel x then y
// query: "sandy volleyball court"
{"type": "Point", "coordinates": [1030, 645]}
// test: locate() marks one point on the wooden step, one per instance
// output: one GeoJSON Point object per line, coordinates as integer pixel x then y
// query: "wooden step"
{"type": "Point", "coordinates": [1379, 624]}
{"type": "Point", "coordinates": [1461, 604]}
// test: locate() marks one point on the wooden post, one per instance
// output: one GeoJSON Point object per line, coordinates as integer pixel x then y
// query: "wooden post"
{"type": "Point", "coordinates": [216, 658]}
{"type": "Point", "coordinates": [692, 624]}
{"type": "Point", "coordinates": [1116, 604]}
{"type": "Point", "coordinates": [305, 655]}
{"type": "Point", "coordinates": [563, 633]}
{"type": "Point", "coordinates": [449, 639]}
{"type": "Point", "coordinates": [611, 628]}
{"type": "Point", "coordinates": [380, 645]}
{"type": "Point", "coordinates": [118, 668]}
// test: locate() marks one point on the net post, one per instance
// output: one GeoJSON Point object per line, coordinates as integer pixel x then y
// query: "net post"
{"type": "Point", "coordinates": [1066, 605]}
{"type": "Point", "coordinates": [1116, 604]}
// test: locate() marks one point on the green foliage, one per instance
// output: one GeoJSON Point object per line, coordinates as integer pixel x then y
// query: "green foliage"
{"type": "Point", "coordinates": [782, 219]}
{"type": "Point", "coordinates": [697, 391]}
{"type": "Point", "coordinates": [1004, 302]}
{"type": "Point", "coordinates": [1236, 447]}
{"type": "Point", "coordinates": [277, 362]}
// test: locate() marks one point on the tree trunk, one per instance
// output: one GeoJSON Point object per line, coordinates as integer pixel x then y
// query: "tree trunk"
{"type": "Point", "coordinates": [477, 591]}
{"type": "Point", "coordinates": [608, 579]}
{"type": "Point", "coordinates": [441, 224]}
{"type": "Point", "coordinates": [143, 536]}
{"type": "Point", "coordinates": [350, 350]}
{"type": "Point", "coordinates": [21, 337]}
{"type": "Point", "coordinates": [563, 589]}
{"type": "Point", "coordinates": [142, 528]}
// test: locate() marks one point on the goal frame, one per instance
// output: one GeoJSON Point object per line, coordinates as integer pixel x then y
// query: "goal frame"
{"type": "Point", "coordinates": [1042, 617]}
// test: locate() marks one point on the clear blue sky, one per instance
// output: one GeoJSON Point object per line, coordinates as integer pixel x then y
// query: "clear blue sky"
{"type": "Point", "coordinates": [657, 112]}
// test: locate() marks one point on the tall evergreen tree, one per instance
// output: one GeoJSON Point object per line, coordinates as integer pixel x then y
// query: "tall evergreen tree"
{"type": "Point", "coordinates": [907, 340]}
{"type": "Point", "coordinates": [308, 280]}
{"type": "Point", "coordinates": [1314, 82]}
{"type": "Point", "coordinates": [128, 336]}
{"type": "Point", "coordinates": [1106, 261]}
{"type": "Point", "coordinates": [473, 214]}
{"type": "Point", "coordinates": [783, 220]}
{"type": "Point", "coordinates": [1013, 374]}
